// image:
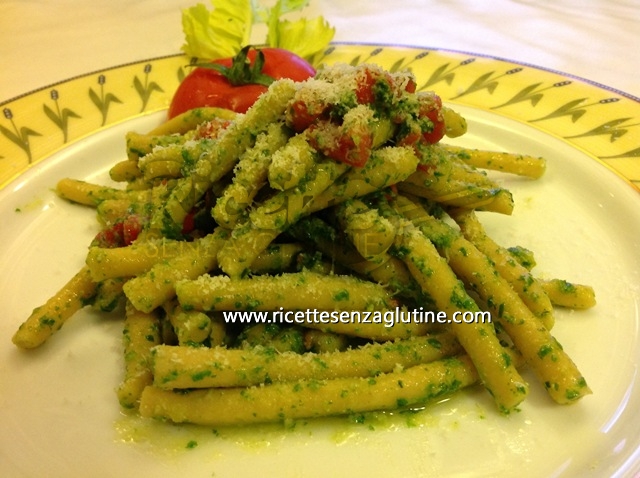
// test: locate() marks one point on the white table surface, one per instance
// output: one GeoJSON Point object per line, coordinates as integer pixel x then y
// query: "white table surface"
{"type": "Point", "coordinates": [45, 42]}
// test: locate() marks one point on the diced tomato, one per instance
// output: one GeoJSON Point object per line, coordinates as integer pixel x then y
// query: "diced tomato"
{"type": "Point", "coordinates": [431, 108]}
{"type": "Point", "coordinates": [131, 228]}
{"type": "Point", "coordinates": [411, 86]}
{"type": "Point", "coordinates": [352, 146]}
{"type": "Point", "coordinates": [122, 233]}
{"type": "Point", "coordinates": [410, 139]}
{"type": "Point", "coordinates": [369, 80]}
{"type": "Point", "coordinates": [353, 150]}
{"type": "Point", "coordinates": [437, 133]}
{"type": "Point", "coordinates": [302, 115]}
{"type": "Point", "coordinates": [426, 168]}
{"type": "Point", "coordinates": [189, 223]}
{"type": "Point", "coordinates": [110, 237]}
{"type": "Point", "coordinates": [364, 90]}
{"type": "Point", "coordinates": [211, 129]}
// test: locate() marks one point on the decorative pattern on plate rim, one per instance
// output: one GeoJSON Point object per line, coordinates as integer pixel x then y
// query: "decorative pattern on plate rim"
{"type": "Point", "coordinates": [599, 121]}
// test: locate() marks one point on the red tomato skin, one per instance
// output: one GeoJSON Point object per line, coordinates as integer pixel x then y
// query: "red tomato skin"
{"type": "Point", "coordinates": [301, 115]}
{"type": "Point", "coordinates": [280, 63]}
{"type": "Point", "coordinates": [352, 146]}
{"type": "Point", "coordinates": [110, 237]}
{"type": "Point", "coordinates": [206, 87]}
{"type": "Point", "coordinates": [438, 132]}
{"type": "Point", "coordinates": [131, 228]}
{"type": "Point", "coordinates": [122, 233]}
{"type": "Point", "coordinates": [433, 111]}
{"type": "Point", "coordinates": [189, 223]}
{"type": "Point", "coordinates": [364, 90]}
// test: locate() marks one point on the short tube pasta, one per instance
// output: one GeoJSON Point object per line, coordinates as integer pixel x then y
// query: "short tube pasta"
{"type": "Point", "coordinates": [520, 164]}
{"type": "Point", "coordinates": [568, 294]}
{"type": "Point", "coordinates": [202, 367]}
{"type": "Point", "coordinates": [293, 291]}
{"type": "Point", "coordinates": [494, 365]}
{"type": "Point", "coordinates": [141, 332]}
{"type": "Point", "coordinates": [413, 386]}
{"type": "Point", "coordinates": [250, 175]}
{"type": "Point", "coordinates": [554, 368]}
{"type": "Point", "coordinates": [268, 221]}
{"type": "Point", "coordinates": [529, 288]}
{"type": "Point", "coordinates": [44, 321]}
{"type": "Point", "coordinates": [158, 285]}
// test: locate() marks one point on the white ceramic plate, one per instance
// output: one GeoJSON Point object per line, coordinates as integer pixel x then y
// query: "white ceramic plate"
{"type": "Point", "coordinates": [60, 414]}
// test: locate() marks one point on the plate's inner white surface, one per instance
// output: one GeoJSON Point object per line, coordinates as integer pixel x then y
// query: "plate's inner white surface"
{"type": "Point", "coordinates": [60, 414]}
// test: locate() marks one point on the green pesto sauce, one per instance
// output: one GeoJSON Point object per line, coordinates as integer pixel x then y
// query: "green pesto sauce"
{"type": "Point", "coordinates": [170, 229]}
{"type": "Point", "coordinates": [170, 377]}
{"type": "Point", "coordinates": [441, 240]}
{"type": "Point", "coordinates": [460, 299]}
{"type": "Point", "coordinates": [507, 360]}
{"type": "Point", "coordinates": [566, 287]}
{"type": "Point", "coordinates": [400, 251]}
{"type": "Point", "coordinates": [435, 343]}
{"type": "Point", "coordinates": [544, 351]}
{"type": "Point", "coordinates": [571, 394]}
{"type": "Point", "coordinates": [341, 295]}
{"type": "Point", "coordinates": [196, 377]}
{"type": "Point", "coordinates": [523, 256]}
{"type": "Point", "coordinates": [47, 322]}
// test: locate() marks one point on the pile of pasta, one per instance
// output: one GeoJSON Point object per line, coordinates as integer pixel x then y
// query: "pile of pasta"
{"type": "Point", "coordinates": [224, 212]}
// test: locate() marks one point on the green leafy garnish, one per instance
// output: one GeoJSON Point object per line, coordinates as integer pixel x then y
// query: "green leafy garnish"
{"type": "Point", "coordinates": [219, 33]}
{"type": "Point", "coordinates": [303, 37]}
{"type": "Point", "coordinates": [225, 30]}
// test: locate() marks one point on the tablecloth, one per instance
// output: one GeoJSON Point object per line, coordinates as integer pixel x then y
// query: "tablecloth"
{"type": "Point", "coordinates": [42, 43]}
